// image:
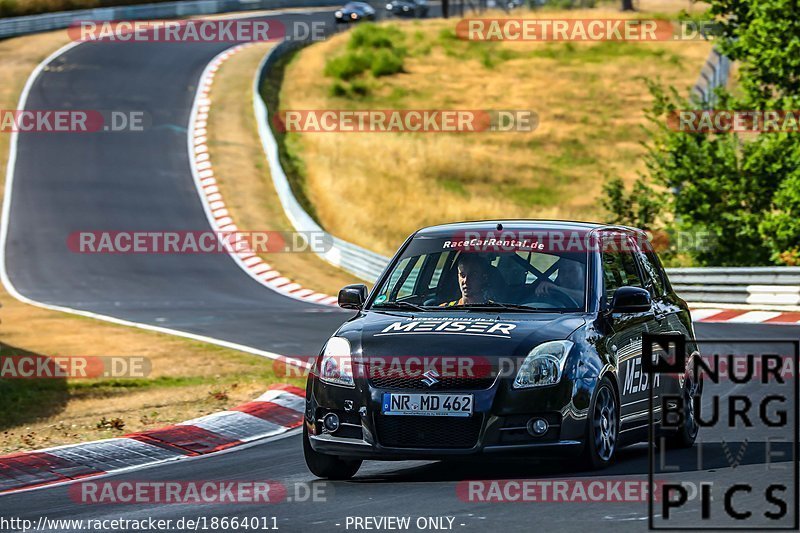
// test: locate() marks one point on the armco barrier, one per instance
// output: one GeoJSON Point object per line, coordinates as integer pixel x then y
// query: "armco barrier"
{"type": "Point", "coordinates": [14, 26]}
{"type": "Point", "coordinates": [714, 74]}
{"type": "Point", "coordinates": [358, 261]}
{"type": "Point", "coordinates": [768, 288]}
{"type": "Point", "coordinates": [776, 288]}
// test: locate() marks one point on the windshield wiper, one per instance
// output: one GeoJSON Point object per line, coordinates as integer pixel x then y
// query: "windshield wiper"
{"type": "Point", "coordinates": [498, 305]}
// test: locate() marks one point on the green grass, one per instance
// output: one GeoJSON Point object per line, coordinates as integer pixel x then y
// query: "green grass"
{"type": "Point", "coordinates": [537, 195]}
{"type": "Point", "coordinates": [454, 185]}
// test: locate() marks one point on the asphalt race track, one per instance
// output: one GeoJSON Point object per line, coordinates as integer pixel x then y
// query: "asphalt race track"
{"type": "Point", "coordinates": [142, 181]}
{"type": "Point", "coordinates": [137, 181]}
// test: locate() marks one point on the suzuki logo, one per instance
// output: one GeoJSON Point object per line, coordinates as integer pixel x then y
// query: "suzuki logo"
{"type": "Point", "coordinates": [429, 378]}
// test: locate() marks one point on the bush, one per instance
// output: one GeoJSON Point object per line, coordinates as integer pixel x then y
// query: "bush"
{"type": "Point", "coordinates": [349, 65]}
{"type": "Point", "coordinates": [781, 227]}
{"type": "Point", "coordinates": [371, 36]}
{"type": "Point", "coordinates": [386, 63]}
{"type": "Point", "coordinates": [338, 89]}
{"type": "Point", "coordinates": [359, 88]}
{"type": "Point", "coordinates": [375, 49]}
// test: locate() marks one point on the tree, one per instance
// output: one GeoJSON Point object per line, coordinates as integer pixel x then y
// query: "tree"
{"type": "Point", "coordinates": [742, 189]}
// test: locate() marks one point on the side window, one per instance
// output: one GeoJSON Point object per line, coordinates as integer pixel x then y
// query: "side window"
{"type": "Point", "coordinates": [619, 266]}
{"type": "Point", "coordinates": [437, 272]}
{"type": "Point", "coordinates": [404, 277]}
{"type": "Point", "coordinates": [652, 269]}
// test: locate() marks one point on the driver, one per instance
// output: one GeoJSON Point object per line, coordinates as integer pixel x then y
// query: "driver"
{"type": "Point", "coordinates": [473, 280]}
{"type": "Point", "coordinates": [570, 281]}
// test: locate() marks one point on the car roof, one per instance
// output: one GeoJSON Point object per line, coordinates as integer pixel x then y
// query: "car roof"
{"type": "Point", "coordinates": [520, 225]}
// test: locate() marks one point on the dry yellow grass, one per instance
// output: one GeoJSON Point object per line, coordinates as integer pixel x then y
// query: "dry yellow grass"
{"type": "Point", "coordinates": [184, 374]}
{"type": "Point", "coordinates": [376, 188]}
{"type": "Point", "coordinates": [241, 170]}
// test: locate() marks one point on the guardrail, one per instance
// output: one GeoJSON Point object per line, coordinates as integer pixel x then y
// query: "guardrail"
{"type": "Point", "coordinates": [14, 26]}
{"type": "Point", "coordinates": [714, 74]}
{"type": "Point", "coordinates": [765, 288]}
{"type": "Point", "coordinates": [350, 257]}
{"type": "Point", "coordinates": [771, 288]}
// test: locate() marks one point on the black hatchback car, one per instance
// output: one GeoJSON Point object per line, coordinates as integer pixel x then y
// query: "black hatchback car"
{"type": "Point", "coordinates": [407, 8]}
{"type": "Point", "coordinates": [500, 337]}
{"type": "Point", "coordinates": [354, 12]}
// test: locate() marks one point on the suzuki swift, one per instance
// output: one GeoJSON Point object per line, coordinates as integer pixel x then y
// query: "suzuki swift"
{"type": "Point", "coordinates": [511, 337]}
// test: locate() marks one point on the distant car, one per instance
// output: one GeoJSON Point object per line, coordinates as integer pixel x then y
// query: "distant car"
{"type": "Point", "coordinates": [542, 354]}
{"type": "Point", "coordinates": [510, 4]}
{"type": "Point", "coordinates": [408, 8]}
{"type": "Point", "coordinates": [355, 12]}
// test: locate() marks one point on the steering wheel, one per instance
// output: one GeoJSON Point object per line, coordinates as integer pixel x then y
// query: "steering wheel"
{"type": "Point", "coordinates": [561, 298]}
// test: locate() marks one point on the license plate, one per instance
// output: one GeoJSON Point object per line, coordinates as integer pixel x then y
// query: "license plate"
{"type": "Point", "coordinates": [427, 404]}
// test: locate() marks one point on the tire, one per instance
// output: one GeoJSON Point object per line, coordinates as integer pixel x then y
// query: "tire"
{"type": "Point", "coordinates": [602, 431]}
{"type": "Point", "coordinates": [685, 436]}
{"type": "Point", "coordinates": [327, 466]}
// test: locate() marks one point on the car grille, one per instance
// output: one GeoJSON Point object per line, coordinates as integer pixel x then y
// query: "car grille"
{"type": "Point", "coordinates": [444, 383]}
{"type": "Point", "coordinates": [427, 431]}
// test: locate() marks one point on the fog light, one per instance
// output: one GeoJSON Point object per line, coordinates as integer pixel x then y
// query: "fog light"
{"type": "Point", "coordinates": [537, 426]}
{"type": "Point", "coordinates": [331, 422]}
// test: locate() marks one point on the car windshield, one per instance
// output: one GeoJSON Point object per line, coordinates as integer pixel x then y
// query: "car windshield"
{"type": "Point", "coordinates": [436, 273]}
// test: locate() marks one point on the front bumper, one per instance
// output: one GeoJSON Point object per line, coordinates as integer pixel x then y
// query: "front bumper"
{"type": "Point", "coordinates": [498, 423]}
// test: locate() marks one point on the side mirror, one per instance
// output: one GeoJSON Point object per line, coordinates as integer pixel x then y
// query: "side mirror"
{"type": "Point", "coordinates": [353, 296]}
{"type": "Point", "coordinates": [630, 300]}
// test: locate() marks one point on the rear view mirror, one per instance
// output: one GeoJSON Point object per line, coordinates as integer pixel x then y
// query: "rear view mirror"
{"type": "Point", "coordinates": [353, 296]}
{"type": "Point", "coordinates": [630, 300]}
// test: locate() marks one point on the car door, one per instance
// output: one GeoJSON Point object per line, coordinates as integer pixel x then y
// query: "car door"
{"type": "Point", "coordinates": [666, 312]}
{"type": "Point", "coordinates": [621, 269]}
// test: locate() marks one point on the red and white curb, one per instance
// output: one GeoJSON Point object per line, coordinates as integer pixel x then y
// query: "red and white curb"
{"type": "Point", "coordinates": [218, 215]}
{"type": "Point", "coordinates": [277, 411]}
{"type": "Point", "coordinates": [743, 316]}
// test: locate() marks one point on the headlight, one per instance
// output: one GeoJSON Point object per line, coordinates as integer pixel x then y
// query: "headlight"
{"type": "Point", "coordinates": [389, 7]}
{"type": "Point", "coordinates": [353, 16]}
{"type": "Point", "coordinates": [336, 366]}
{"type": "Point", "coordinates": [543, 365]}
{"type": "Point", "coordinates": [338, 14]}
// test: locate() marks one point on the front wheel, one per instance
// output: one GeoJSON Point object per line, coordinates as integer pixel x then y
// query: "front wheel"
{"type": "Point", "coordinates": [603, 427]}
{"type": "Point", "coordinates": [327, 466]}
